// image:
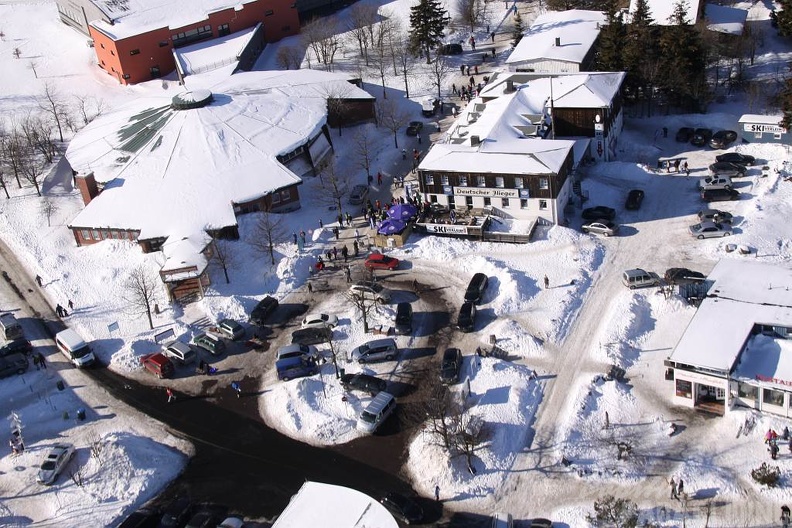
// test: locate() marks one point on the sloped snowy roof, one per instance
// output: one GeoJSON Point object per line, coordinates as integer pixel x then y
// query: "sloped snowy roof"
{"type": "Point", "coordinates": [176, 172]}
{"type": "Point", "coordinates": [212, 54]}
{"type": "Point", "coordinates": [768, 359]}
{"type": "Point", "coordinates": [571, 90]}
{"type": "Point", "coordinates": [318, 504]}
{"type": "Point", "coordinates": [132, 17]}
{"type": "Point", "coordinates": [762, 118]}
{"type": "Point", "coordinates": [661, 10]}
{"type": "Point", "coordinates": [744, 293]}
{"type": "Point", "coordinates": [504, 155]}
{"type": "Point", "coordinates": [725, 19]}
{"type": "Point", "coordinates": [577, 28]}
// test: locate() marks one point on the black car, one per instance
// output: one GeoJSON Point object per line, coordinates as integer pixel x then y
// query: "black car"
{"type": "Point", "coordinates": [207, 516]}
{"type": "Point", "coordinates": [312, 336]}
{"type": "Point", "coordinates": [143, 518]}
{"type": "Point", "coordinates": [599, 212]}
{"type": "Point", "coordinates": [364, 383]}
{"type": "Point", "coordinates": [719, 195]}
{"type": "Point", "coordinates": [476, 288]}
{"type": "Point", "coordinates": [403, 508]}
{"type": "Point", "coordinates": [727, 168]}
{"type": "Point", "coordinates": [404, 314]}
{"type": "Point", "coordinates": [13, 364]}
{"type": "Point", "coordinates": [467, 317]}
{"type": "Point", "coordinates": [714, 215]}
{"type": "Point", "coordinates": [263, 309]}
{"type": "Point", "coordinates": [451, 49]}
{"type": "Point", "coordinates": [634, 199]}
{"type": "Point", "coordinates": [450, 366]}
{"type": "Point", "coordinates": [722, 139]}
{"type": "Point", "coordinates": [177, 513]}
{"type": "Point", "coordinates": [414, 128]}
{"type": "Point", "coordinates": [701, 137]}
{"type": "Point", "coordinates": [17, 346]}
{"type": "Point", "coordinates": [736, 157]}
{"type": "Point", "coordinates": [683, 276]}
{"type": "Point", "coordinates": [684, 134]}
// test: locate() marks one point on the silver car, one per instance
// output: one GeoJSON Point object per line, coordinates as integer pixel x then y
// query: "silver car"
{"type": "Point", "coordinates": [601, 227]}
{"type": "Point", "coordinates": [710, 230]}
{"type": "Point", "coordinates": [358, 194]}
{"type": "Point", "coordinates": [377, 350]}
{"type": "Point", "coordinates": [370, 291]}
{"type": "Point", "coordinates": [716, 181]}
{"type": "Point", "coordinates": [319, 320]}
{"type": "Point", "coordinates": [57, 459]}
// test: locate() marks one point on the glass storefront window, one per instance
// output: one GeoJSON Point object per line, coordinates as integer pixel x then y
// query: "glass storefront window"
{"type": "Point", "coordinates": [749, 392]}
{"type": "Point", "coordinates": [772, 397]}
{"type": "Point", "coordinates": [684, 389]}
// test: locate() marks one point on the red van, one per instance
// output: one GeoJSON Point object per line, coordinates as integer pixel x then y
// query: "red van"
{"type": "Point", "coordinates": [158, 364]}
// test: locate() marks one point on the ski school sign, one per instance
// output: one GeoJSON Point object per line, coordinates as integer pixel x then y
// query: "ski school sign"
{"type": "Point", "coordinates": [446, 229]}
{"type": "Point", "coordinates": [763, 129]}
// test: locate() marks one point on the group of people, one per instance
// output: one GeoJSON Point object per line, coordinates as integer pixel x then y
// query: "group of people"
{"type": "Point", "coordinates": [676, 164]}
{"type": "Point", "coordinates": [677, 488]}
{"type": "Point", "coordinates": [16, 443]}
{"type": "Point", "coordinates": [61, 311]}
{"type": "Point", "coordinates": [771, 439]}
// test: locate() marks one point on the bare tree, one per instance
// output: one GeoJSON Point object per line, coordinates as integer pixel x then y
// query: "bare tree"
{"type": "Point", "coordinates": [439, 69]}
{"type": "Point", "coordinates": [269, 231]}
{"type": "Point", "coordinates": [468, 435]}
{"type": "Point", "coordinates": [404, 58]}
{"type": "Point", "coordinates": [48, 208]}
{"type": "Point", "coordinates": [334, 351]}
{"type": "Point", "coordinates": [321, 36]}
{"type": "Point", "coordinates": [12, 149]}
{"type": "Point", "coordinates": [289, 57]}
{"type": "Point", "coordinates": [361, 18]}
{"type": "Point", "coordinates": [380, 50]}
{"type": "Point", "coordinates": [3, 185]}
{"type": "Point", "coordinates": [76, 476]}
{"type": "Point", "coordinates": [223, 256]}
{"type": "Point", "coordinates": [53, 105]}
{"type": "Point", "coordinates": [37, 134]}
{"type": "Point", "coordinates": [140, 292]}
{"type": "Point", "coordinates": [31, 169]}
{"type": "Point", "coordinates": [472, 13]}
{"type": "Point", "coordinates": [33, 65]}
{"type": "Point", "coordinates": [391, 116]}
{"type": "Point", "coordinates": [364, 306]}
{"type": "Point", "coordinates": [364, 149]}
{"type": "Point", "coordinates": [89, 108]}
{"type": "Point", "coordinates": [336, 96]}
{"type": "Point", "coordinates": [335, 185]}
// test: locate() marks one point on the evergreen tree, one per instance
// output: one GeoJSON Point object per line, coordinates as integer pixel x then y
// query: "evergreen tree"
{"type": "Point", "coordinates": [683, 61]}
{"type": "Point", "coordinates": [518, 31]}
{"type": "Point", "coordinates": [428, 21]}
{"type": "Point", "coordinates": [786, 104]}
{"type": "Point", "coordinates": [783, 17]}
{"type": "Point", "coordinates": [611, 38]}
{"type": "Point", "coordinates": [639, 51]}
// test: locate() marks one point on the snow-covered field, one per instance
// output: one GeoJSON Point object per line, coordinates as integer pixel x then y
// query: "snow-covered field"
{"type": "Point", "coordinates": [568, 334]}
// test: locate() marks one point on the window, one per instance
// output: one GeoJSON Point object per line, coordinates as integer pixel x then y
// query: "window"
{"type": "Point", "coordinates": [102, 45]}
{"type": "Point", "coordinates": [543, 204]}
{"type": "Point", "coordinates": [269, 12]}
{"type": "Point", "coordinates": [505, 203]}
{"type": "Point", "coordinates": [286, 195]}
{"type": "Point", "coordinates": [747, 391]}
{"type": "Point", "coordinates": [544, 183]}
{"type": "Point", "coordinates": [95, 234]}
{"type": "Point", "coordinates": [523, 203]}
{"type": "Point", "coordinates": [487, 201]}
{"type": "Point", "coordinates": [777, 136]}
{"type": "Point", "coordinates": [463, 181]}
{"type": "Point", "coordinates": [134, 52]}
{"type": "Point", "coordinates": [469, 201]}
{"type": "Point", "coordinates": [191, 35]}
{"type": "Point", "coordinates": [154, 71]}
{"type": "Point", "coordinates": [444, 179]}
{"type": "Point", "coordinates": [757, 135]}
{"type": "Point", "coordinates": [429, 178]}
{"type": "Point", "coordinates": [126, 76]}
{"type": "Point", "coordinates": [481, 181]}
{"type": "Point", "coordinates": [164, 43]}
{"type": "Point", "coordinates": [85, 234]}
{"type": "Point", "coordinates": [684, 389]}
{"type": "Point", "coordinates": [518, 182]}
{"type": "Point", "coordinates": [112, 53]}
{"type": "Point", "coordinates": [223, 30]}
{"type": "Point", "coordinates": [276, 198]}
{"type": "Point", "coordinates": [499, 182]}
{"type": "Point", "coordinates": [773, 397]}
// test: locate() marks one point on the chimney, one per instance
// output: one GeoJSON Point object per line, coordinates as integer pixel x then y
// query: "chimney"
{"type": "Point", "coordinates": [87, 186]}
{"type": "Point", "coordinates": [475, 141]}
{"type": "Point", "coordinates": [509, 86]}
{"type": "Point", "coordinates": [558, 42]}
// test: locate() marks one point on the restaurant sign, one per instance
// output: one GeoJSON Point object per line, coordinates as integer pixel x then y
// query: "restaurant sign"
{"type": "Point", "coordinates": [771, 379]}
{"type": "Point", "coordinates": [486, 192]}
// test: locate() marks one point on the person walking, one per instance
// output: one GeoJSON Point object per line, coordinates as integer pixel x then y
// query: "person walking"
{"type": "Point", "coordinates": [39, 280]}
{"type": "Point", "coordinates": [437, 493]}
{"type": "Point", "coordinates": [345, 252]}
{"type": "Point", "coordinates": [462, 69]}
{"type": "Point", "coordinates": [785, 516]}
{"type": "Point", "coordinates": [349, 219]}
{"type": "Point", "coordinates": [171, 396]}
{"type": "Point", "coordinates": [310, 288]}
{"type": "Point", "coordinates": [42, 361]}
{"type": "Point", "coordinates": [294, 236]}
{"type": "Point", "coordinates": [357, 234]}
{"type": "Point", "coordinates": [356, 248]}
{"type": "Point", "coordinates": [36, 361]}
{"type": "Point", "coordinates": [492, 36]}
{"type": "Point", "coordinates": [379, 178]}
{"type": "Point", "coordinates": [335, 253]}
{"type": "Point", "coordinates": [59, 310]}
{"type": "Point", "coordinates": [680, 489]}
{"type": "Point", "coordinates": [236, 388]}
{"type": "Point", "coordinates": [348, 272]}
{"type": "Point", "coordinates": [71, 305]}
{"type": "Point", "coordinates": [419, 138]}
{"type": "Point", "coordinates": [321, 224]}
{"type": "Point", "coordinates": [336, 232]}
{"type": "Point", "coordinates": [453, 89]}
{"type": "Point", "coordinates": [404, 154]}
{"type": "Point", "coordinates": [546, 282]}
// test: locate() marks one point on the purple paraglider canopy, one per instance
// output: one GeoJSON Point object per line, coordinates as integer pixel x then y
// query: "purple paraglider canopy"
{"type": "Point", "coordinates": [391, 226]}
{"type": "Point", "coordinates": [402, 211]}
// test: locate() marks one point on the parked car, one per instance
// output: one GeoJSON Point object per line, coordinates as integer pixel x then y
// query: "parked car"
{"type": "Point", "coordinates": [634, 199]}
{"type": "Point", "coordinates": [57, 459]}
{"type": "Point", "coordinates": [466, 320]}
{"type": "Point", "coordinates": [715, 215]}
{"type": "Point", "coordinates": [207, 516]}
{"type": "Point", "coordinates": [263, 309]}
{"type": "Point", "coordinates": [17, 346]}
{"type": "Point", "coordinates": [710, 230]}
{"type": "Point", "coordinates": [414, 128]}
{"type": "Point", "coordinates": [601, 227]}
{"type": "Point", "coordinates": [13, 364]}
{"type": "Point", "coordinates": [727, 168]}
{"type": "Point", "coordinates": [312, 336]}
{"type": "Point", "coordinates": [403, 508]}
{"type": "Point", "coordinates": [639, 278]}
{"type": "Point", "coordinates": [541, 523]}
{"type": "Point", "coordinates": [599, 212]}
{"type": "Point", "coordinates": [211, 343]}
{"type": "Point", "coordinates": [716, 181]}
{"type": "Point", "coordinates": [404, 313]}
{"type": "Point", "coordinates": [158, 364]}
{"type": "Point", "coordinates": [372, 291]}
{"type": "Point", "coordinates": [231, 522]}
{"type": "Point", "coordinates": [319, 320]}
{"type": "Point", "coordinates": [450, 366]}
{"type": "Point", "coordinates": [296, 350]}
{"type": "Point", "coordinates": [231, 329]}
{"type": "Point", "coordinates": [363, 383]}
{"type": "Point", "coordinates": [145, 517]}
{"type": "Point", "coordinates": [683, 276]}
{"type": "Point", "coordinates": [376, 412]}
{"type": "Point", "coordinates": [429, 106]}
{"type": "Point", "coordinates": [451, 49]}
{"type": "Point", "coordinates": [376, 350]}
{"type": "Point", "coordinates": [181, 352]}
{"type": "Point", "coordinates": [296, 367]}
{"type": "Point", "coordinates": [701, 137]}
{"type": "Point", "coordinates": [719, 195]}
{"type": "Point", "coordinates": [176, 513]}
{"type": "Point", "coordinates": [476, 288]}
{"type": "Point", "coordinates": [722, 139]}
{"type": "Point", "coordinates": [378, 261]}
{"type": "Point", "coordinates": [736, 157]}
{"type": "Point", "coordinates": [684, 134]}
{"type": "Point", "coordinates": [358, 194]}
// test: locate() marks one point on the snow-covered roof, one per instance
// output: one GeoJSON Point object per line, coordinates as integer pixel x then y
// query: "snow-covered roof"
{"type": "Point", "coordinates": [743, 294]}
{"type": "Point", "coordinates": [133, 17]}
{"type": "Point", "coordinates": [571, 90]}
{"type": "Point", "coordinates": [176, 172]}
{"type": "Point", "coordinates": [768, 359]}
{"type": "Point", "coordinates": [661, 10]}
{"type": "Point", "coordinates": [318, 504]}
{"type": "Point", "coordinates": [725, 19]}
{"type": "Point", "coordinates": [762, 119]}
{"type": "Point", "coordinates": [212, 54]}
{"type": "Point", "coordinates": [577, 28]}
{"type": "Point", "coordinates": [504, 155]}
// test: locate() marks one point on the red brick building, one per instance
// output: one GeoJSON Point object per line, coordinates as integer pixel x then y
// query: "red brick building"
{"type": "Point", "coordinates": [134, 39]}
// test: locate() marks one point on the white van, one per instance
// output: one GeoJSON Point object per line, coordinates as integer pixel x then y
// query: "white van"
{"type": "Point", "coordinates": [10, 327]}
{"type": "Point", "coordinates": [377, 412]}
{"type": "Point", "coordinates": [74, 348]}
